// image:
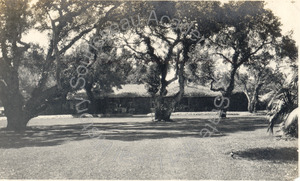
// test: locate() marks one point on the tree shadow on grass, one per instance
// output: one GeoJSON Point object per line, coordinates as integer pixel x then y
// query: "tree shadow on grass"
{"type": "Point", "coordinates": [276, 155]}
{"type": "Point", "coordinates": [37, 136]}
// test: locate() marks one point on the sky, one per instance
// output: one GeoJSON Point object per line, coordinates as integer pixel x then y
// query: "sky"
{"type": "Point", "coordinates": [289, 13]}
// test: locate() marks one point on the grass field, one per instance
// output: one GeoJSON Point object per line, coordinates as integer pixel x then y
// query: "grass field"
{"type": "Point", "coordinates": [137, 148]}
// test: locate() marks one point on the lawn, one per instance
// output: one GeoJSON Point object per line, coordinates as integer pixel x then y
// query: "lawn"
{"type": "Point", "coordinates": [137, 148]}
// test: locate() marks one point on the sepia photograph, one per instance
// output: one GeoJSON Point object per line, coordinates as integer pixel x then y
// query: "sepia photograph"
{"type": "Point", "coordinates": [149, 90]}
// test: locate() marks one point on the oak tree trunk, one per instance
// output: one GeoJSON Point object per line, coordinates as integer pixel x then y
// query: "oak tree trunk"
{"type": "Point", "coordinates": [228, 92]}
{"type": "Point", "coordinates": [250, 106]}
{"type": "Point", "coordinates": [17, 119]}
{"type": "Point", "coordinates": [91, 97]}
{"type": "Point", "coordinates": [164, 109]}
{"type": "Point", "coordinates": [162, 112]}
{"type": "Point", "coordinates": [13, 103]}
{"type": "Point", "coordinates": [254, 100]}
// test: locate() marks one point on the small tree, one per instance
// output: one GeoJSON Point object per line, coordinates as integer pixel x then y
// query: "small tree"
{"type": "Point", "coordinates": [258, 79]}
{"type": "Point", "coordinates": [107, 70]}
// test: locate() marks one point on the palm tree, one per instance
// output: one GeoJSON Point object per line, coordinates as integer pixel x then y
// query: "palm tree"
{"type": "Point", "coordinates": [283, 108]}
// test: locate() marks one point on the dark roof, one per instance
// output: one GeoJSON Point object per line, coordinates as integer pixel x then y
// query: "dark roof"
{"type": "Point", "coordinates": [139, 90]}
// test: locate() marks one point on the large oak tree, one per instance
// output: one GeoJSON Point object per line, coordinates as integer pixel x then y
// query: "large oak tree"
{"type": "Point", "coordinates": [65, 22]}
{"type": "Point", "coordinates": [165, 41]}
{"type": "Point", "coordinates": [249, 32]}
